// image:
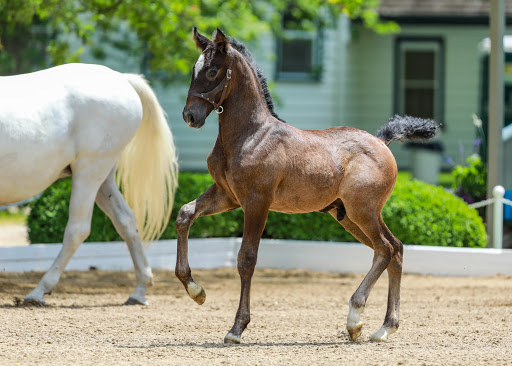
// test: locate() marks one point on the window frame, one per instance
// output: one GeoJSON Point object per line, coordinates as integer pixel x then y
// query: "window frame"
{"type": "Point", "coordinates": [420, 43]}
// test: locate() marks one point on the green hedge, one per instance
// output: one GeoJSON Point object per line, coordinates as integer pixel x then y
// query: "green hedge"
{"type": "Point", "coordinates": [417, 213]}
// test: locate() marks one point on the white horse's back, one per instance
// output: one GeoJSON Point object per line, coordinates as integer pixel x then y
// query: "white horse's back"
{"type": "Point", "coordinates": [51, 118]}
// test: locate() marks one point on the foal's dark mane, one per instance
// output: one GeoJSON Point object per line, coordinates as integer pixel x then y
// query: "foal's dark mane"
{"type": "Point", "coordinates": [240, 47]}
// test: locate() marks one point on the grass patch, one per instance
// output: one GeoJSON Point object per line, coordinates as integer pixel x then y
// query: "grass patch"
{"type": "Point", "coordinates": [13, 218]}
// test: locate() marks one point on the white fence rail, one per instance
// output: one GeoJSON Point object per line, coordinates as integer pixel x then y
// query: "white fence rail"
{"type": "Point", "coordinates": [281, 254]}
{"type": "Point", "coordinates": [499, 200]}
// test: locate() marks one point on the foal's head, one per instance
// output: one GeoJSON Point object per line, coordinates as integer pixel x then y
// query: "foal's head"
{"type": "Point", "coordinates": [211, 78]}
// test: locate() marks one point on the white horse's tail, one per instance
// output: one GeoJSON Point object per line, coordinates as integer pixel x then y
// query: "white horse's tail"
{"type": "Point", "coordinates": [148, 170]}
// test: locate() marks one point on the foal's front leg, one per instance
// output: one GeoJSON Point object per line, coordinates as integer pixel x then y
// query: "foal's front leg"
{"type": "Point", "coordinates": [254, 223]}
{"type": "Point", "coordinates": [214, 200]}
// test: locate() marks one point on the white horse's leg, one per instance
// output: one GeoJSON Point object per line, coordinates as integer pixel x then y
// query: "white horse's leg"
{"type": "Point", "coordinates": [83, 192]}
{"type": "Point", "coordinates": [111, 201]}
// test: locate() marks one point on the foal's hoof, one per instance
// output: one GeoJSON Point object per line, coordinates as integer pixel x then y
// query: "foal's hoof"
{"type": "Point", "coordinates": [34, 302]}
{"type": "Point", "coordinates": [355, 332]}
{"type": "Point", "coordinates": [196, 293]}
{"type": "Point", "coordinates": [230, 338]}
{"type": "Point", "coordinates": [134, 301]}
{"type": "Point", "coordinates": [382, 334]}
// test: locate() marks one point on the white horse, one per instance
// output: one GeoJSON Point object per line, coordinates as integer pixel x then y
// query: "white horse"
{"type": "Point", "coordinates": [88, 121]}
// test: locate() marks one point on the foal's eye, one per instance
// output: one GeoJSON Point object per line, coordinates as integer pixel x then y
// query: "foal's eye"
{"type": "Point", "coordinates": [212, 72]}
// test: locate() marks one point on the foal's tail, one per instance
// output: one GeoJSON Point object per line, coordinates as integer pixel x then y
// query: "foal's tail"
{"type": "Point", "coordinates": [148, 169]}
{"type": "Point", "coordinates": [407, 128]}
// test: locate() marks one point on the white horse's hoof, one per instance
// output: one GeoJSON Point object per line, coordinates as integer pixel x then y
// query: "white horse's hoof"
{"type": "Point", "coordinates": [382, 334]}
{"type": "Point", "coordinates": [28, 301]}
{"type": "Point", "coordinates": [196, 293]}
{"type": "Point", "coordinates": [230, 338]}
{"type": "Point", "coordinates": [134, 301]}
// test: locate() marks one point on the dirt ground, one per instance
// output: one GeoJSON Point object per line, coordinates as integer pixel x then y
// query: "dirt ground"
{"type": "Point", "coordinates": [298, 318]}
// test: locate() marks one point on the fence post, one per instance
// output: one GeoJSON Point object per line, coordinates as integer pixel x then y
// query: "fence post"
{"type": "Point", "coordinates": [498, 192]}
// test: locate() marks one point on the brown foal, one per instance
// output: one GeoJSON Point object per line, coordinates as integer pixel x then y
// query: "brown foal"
{"type": "Point", "coordinates": [260, 163]}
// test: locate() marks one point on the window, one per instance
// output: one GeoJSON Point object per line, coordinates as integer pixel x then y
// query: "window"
{"type": "Point", "coordinates": [298, 56]}
{"type": "Point", "coordinates": [419, 77]}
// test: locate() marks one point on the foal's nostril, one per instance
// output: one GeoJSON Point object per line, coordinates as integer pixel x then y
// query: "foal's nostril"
{"type": "Point", "coordinates": [188, 117]}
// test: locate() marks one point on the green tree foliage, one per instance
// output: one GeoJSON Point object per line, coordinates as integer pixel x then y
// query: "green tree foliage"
{"type": "Point", "coordinates": [23, 37]}
{"type": "Point", "coordinates": [162, 27]}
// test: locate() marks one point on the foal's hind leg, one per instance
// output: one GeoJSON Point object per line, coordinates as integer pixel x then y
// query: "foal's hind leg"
{"type": "Point", "coordinates": [111, 201]}
{"type": "Point", "coordinates": [391, 320]}
{"type": "Point", "coordinates": [354, 323]}
{"type": "Point", "coordinates": [213, 201]}
{"type": "Point", "coordinates": [84, 189]}
{"type": "Point", "coordinates": [371, 225]}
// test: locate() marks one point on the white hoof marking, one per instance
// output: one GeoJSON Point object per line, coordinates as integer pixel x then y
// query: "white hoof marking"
{"type": "Point", "coordinates": [194, 289]}
{"type": "Point", "coordinates": [196, 293]}
{"type": "Point", "coordinates": [354, 317]}
{"type": "Point", "coordinates": [231, 338]}
{"type": "Point", "coordinates": [382, 334]}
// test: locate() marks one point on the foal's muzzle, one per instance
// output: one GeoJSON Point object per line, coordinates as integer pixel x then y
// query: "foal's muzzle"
{"type": "Point", "coordinates": [195, 115]}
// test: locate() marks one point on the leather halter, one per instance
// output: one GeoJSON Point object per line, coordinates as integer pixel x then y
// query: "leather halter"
{"type": "Point", "coordinates": [223, 85]}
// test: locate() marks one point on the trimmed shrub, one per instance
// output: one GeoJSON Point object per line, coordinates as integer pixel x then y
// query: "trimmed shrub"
{"type": "Point", "coordinates": [423, 214]}
{"type": "Point", "coordinates": [227, 224]}
{"type": "Point", "coordinates": [49, 215]}
{"type": "Point", "coordinates": [417, 213]}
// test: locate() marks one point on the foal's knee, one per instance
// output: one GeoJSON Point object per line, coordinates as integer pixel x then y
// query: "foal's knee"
{"type": "Point", "coordinates": [247, 262]}
{"type": "Point", "coordinates": [396, 261]}
{"type": "Point", "coordinates": [384, 252]}
{"type": "Point", "coordinates": [185, 217]}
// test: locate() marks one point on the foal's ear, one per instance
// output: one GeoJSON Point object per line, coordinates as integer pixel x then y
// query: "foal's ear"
{"type": "Point", "coordinates": [200, 40]}
{"type": "Point", "coordinates": [221, 41]}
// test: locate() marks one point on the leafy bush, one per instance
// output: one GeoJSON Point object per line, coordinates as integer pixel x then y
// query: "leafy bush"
{"type": "Point", "coordinates": [49, 214]}
{"type": "Point", "coordinates": [227, 224]}
{"type": "Point", "coordinates": [470, 182]}
{"type": "Point", "coordinates": [417, 213]}
{"type": "Point", "coordinates": [423, 214]}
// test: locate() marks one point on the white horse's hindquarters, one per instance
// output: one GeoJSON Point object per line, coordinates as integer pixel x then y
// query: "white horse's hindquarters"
{"type": "Point", "coordinates": [34, 149]}
{"type": "Point", "coordinates": [51, 119]}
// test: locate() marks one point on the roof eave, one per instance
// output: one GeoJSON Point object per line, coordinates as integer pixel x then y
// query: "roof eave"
{"type": "Point", "coordinates": [442, 20]}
